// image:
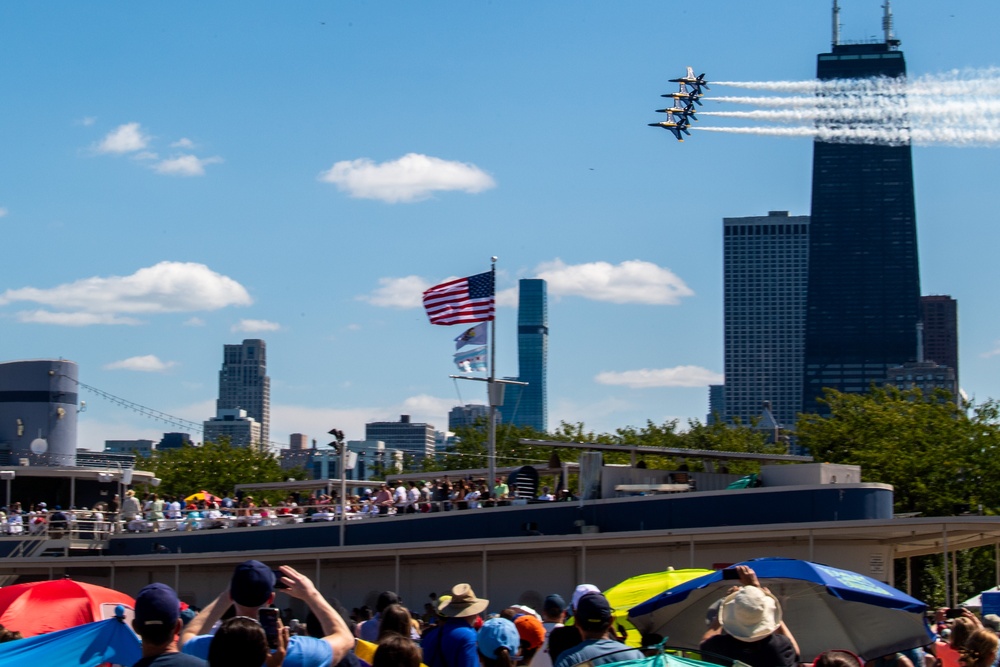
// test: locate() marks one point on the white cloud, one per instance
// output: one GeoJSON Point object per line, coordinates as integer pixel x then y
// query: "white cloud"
{"type": "Point", "coordinates": [126, 138]}
{"type": "Point", "coordinates": [3, 212]}
{"type": "Point", "coordinates": [397, 292]}
{"type": "Point", "coordinates": [255, 326]}
{"type": "Point", "coordinates": [184, 142]}
{"type": "Point", "coordinates": [148, 363]}
{"type": "Point", "coordinates": [185, 165]}
{"type": "Point", "coordinates": [633, 281]}
{"type": "Point", "coordinates": [146, 156]}
{"type": "Point", "coordinates": [167, 287]}
{"type": "Point", "coordinates": [411, 178]}
{"type": "Point", "coordinates": [507, 298]}
{"type": "Point", "coordinates": [73, 319]}
{"type": "Point", "coordinates": [86, 121]}
{"type": "Point", "coordinates": [194, 322]}
{"type": "Point", "coordinates": [679, 376]}
{"type": "Point", "coordinates": [315, 422]}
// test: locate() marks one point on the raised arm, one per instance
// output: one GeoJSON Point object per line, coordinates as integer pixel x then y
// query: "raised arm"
{"type": "Point", "coordinates": [335, 630]}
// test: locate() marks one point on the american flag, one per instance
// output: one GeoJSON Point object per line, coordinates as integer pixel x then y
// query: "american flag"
{"type": "Point", "coordinates": [461, 301]}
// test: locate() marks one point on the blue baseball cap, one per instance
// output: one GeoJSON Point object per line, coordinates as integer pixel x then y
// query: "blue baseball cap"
{"type": "Point", "coordinates": [252, 584]}
{"type": "Point", "coordinates": [157, 604]}
{"type": "Point", "coordinates": [495, 634]}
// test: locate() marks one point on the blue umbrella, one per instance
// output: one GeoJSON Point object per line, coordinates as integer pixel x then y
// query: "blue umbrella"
{"type": "Point", "coordinates": [824, 608]}
{"type": "Point", "coordinates": [86, 645]}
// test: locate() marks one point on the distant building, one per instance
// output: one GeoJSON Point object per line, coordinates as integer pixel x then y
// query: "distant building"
{"type": "Point", "coordinates": [470, 414]}
{"type": "Point", "coordinates": [244, 384]}
{"type": "Point", "coordinates": [765, 268]}
{"type": "Point", "coordinates": [174, 441]}
{"type": "Point", "coordinates": [926, 376]}
{"type": "Point", "coordinates": [371, 459]}
{"type": "Point", "coordinates": [38, 407]}
{"type": "Point", "coordinates": [528, 405]}
{"type": "Point", "coordinates": [406, 436]}
{"type": "Point", "coordinates": [863, 299]}
{"type": "Point", "coordinates": [716, 404]}
{"type": "Point", "coordinates": [235, 425]}
{"type": "Point", "coordinates": [140, 447]}
{"type": "Point", "coordinates": [298, 441]}
{"type": "Point", "coordinates": [939, 315]}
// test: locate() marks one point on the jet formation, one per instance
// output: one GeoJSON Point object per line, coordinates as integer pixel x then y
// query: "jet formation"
{"type": "Point", "coordinates": [682, 111]}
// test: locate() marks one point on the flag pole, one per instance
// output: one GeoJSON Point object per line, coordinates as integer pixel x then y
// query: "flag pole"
{"type": "Point", "coordinates": [494, 391]}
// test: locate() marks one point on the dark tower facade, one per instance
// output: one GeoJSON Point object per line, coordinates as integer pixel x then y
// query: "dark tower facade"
{"type": "Point", "coordinates": [863, 295]}
{"type": "Point", "coordinates": [939, 313]}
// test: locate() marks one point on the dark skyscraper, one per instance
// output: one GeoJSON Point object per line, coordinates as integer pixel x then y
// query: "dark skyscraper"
{"type": "Point", "coordinates": [939, 313]}
{"type": "Point", "coordinates": [243, 383]}
{"type": "Point", "coordinates": [528, 405]}
{"type": "Point", "coordinates": [863, 300]}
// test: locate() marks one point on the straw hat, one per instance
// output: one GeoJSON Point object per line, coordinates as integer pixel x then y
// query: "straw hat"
{"type": "Point", "coordinates": [750, 614]}
{"type": "Point", "coordinates": [462, 603]}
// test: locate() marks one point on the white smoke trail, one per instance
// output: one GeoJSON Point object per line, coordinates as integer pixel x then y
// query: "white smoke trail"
{"type": "Point", "coordinates": [958, 108]}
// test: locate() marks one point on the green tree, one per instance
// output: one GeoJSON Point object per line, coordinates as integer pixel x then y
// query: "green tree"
{"type": "Point", "coordinates": [216, 468]}
{"type": "Point", "coordinates": [937, 455]}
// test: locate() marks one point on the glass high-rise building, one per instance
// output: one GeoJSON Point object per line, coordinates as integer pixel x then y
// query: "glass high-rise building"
{"type": "Point", "coordinates": [244, 384]}
{"type": "Point", "coordinates": [863, 299]}
{"type": "Point", "coordinates": [528, 405]}
{"type": "Point", "coordinates": [765, 266]}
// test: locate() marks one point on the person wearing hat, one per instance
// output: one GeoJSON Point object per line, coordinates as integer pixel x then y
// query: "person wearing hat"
{"type": "Point", "coordinates": [553, 616]}
{"type": "Point", "coordinates": [749, 628]}
{"type": "Point", "coordinates": [565, 637]}
{"type": "Point", "coordinates": [453, 643]}
{"type": "Point", "coordinates": [498, 643]}
{"type": "Point", "coordinates": [250, 589]}
{"type": "Point", "coordinates": [593, 618]}
{"type": "Point", "coordinates": [157, 621]}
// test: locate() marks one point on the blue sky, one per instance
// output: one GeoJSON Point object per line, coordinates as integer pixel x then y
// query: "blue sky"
{"type": "Point", "coordinates": [177, 176]}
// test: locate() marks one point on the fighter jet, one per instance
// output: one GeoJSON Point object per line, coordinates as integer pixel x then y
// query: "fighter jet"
{"type": "Point", "coordinates": [683, 94]}
{"type": "Point", "coordinates": [675, 125]}
{"type": "Point", "coordinates": [687, 110]}
{"type": "Point", "coordinates": [696, 82]}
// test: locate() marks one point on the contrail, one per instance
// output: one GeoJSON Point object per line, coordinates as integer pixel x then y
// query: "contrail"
{"type": "Point", "coordinates": [958, 108]}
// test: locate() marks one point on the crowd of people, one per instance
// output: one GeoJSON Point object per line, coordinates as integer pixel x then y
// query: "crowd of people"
{"type": "Point", "coordinates": [155, 511]}
{"type": "Point", "coordinates": [745, 628]}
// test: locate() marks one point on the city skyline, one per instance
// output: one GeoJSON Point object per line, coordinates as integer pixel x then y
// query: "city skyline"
{"type": "Point", "coordinates": [177, 178]}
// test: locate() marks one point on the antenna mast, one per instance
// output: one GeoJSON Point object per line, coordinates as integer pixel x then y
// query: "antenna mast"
{"type": "Point", "coordinates": [887, 24]}
{"type": "Point", "coordinates": [836, 22]}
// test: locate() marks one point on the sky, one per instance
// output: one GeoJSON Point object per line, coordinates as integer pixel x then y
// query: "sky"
{"type": "Point", "coordinates": [179, 176]}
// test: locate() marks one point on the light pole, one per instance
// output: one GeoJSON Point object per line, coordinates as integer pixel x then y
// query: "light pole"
{"type": "Point", "coordinates": [338, 441]}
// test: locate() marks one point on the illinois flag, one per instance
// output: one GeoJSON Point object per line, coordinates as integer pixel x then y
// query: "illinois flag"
{"type": "Point", "coordinates": [471, 360]}
{"type": "Point", "coordinates": [461, 301]}
{"type": "Point", "coordinates": [473, 336]}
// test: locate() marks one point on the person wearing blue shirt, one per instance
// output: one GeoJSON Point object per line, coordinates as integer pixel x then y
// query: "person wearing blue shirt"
{"type": "Point", "coordinates": [453, 643]}
{"type": "Point", "coordinates": [252, 587]}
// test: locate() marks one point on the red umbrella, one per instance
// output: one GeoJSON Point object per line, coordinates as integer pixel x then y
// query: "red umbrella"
{"type": "Point", "coordinates": [45, 606]}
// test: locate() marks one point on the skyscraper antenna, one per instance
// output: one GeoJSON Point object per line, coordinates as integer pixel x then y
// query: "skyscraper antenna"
{"type": "Point", "coordinates": [836, 22]}
{"type": "Point", "coordinates": [890, 39]}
